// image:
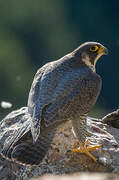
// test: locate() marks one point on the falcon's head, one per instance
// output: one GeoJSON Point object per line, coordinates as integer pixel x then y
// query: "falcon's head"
{"type": "Point", "coordinates": [90, 52]}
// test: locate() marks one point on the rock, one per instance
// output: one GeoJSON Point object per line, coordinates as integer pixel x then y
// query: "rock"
{"type": "Point", "coordinates": [112, 119]}
{"type": "Point", "coordinates": [60, 159]}
{"type": "Point", "coordinates": [81, 176]}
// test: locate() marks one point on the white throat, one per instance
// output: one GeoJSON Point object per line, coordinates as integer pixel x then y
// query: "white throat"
{"type": "Point", "coordinates": [86, 60]}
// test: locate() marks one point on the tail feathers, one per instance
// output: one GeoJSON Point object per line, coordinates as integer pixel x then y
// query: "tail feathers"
{"type": "Point", "coordinates": [26, 152]}
{"type": "Point", "coordinates": [29, 154]}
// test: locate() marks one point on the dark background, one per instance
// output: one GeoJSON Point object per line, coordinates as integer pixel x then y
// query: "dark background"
{"type": "Point", "coordinates": [33, 32]}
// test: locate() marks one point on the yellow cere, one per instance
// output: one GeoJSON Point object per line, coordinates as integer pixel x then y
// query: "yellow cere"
{"type": "Point", "coordinates": [94, 48]}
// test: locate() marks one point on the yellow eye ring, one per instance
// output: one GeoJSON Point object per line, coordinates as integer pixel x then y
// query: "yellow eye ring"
{"type": "Point", "coordinates": [94, 48]}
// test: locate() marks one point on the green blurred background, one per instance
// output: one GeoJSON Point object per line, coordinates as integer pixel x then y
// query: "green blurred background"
{"type": "Point", "coordinates": [35, 32]}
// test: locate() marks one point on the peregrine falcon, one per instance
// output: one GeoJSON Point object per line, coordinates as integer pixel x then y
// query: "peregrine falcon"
{"type": "Point", "coordinates": [62, 90]}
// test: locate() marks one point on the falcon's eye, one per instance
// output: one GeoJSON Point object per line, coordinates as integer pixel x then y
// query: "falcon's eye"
{"type": "Point", "coordinates": [94, 48]}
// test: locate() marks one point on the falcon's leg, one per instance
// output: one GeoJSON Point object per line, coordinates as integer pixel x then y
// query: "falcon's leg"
{"type": "Point", "coordinates": [80, 131]}
{"type": "Point", "coordinates": [86, 150]}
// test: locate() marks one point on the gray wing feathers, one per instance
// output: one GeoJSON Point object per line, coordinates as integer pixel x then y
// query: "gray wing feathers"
{"type": "Point", "coordinates": [35, 115]}
{"type": "Point", "coordinates": [33, 106]}
{"type": "Point", "coordinates": [58, 93]}
{"type": "Point", "coordinates": [41, 95]}
{"type": "Point", "coordinates": [38, 99]}
{"type": "Point", "coordinates": [65, 107]}
{"type": "Point", "coordinates": [68, 83]}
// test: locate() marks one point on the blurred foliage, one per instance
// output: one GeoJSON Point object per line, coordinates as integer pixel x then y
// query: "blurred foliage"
{"type": "Point", "coordinates": [35, 32]}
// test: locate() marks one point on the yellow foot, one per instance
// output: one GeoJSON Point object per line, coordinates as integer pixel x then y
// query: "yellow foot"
{"type": "Point", "coordinates": [86, 150]}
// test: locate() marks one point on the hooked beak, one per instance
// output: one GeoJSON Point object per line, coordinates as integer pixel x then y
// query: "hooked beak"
{"type": "Point", "coordinates": [103, 50]}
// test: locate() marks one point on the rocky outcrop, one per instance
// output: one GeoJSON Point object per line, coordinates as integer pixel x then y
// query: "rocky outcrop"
{"type": "Point", "coordinates": [60, 159]}
{"type": "Point", "coordinates": [81, 176]}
